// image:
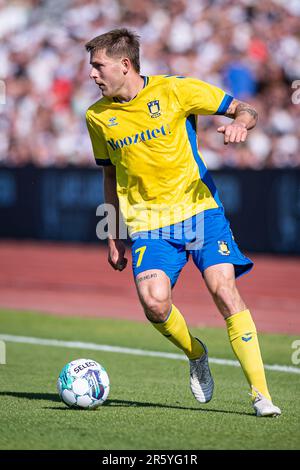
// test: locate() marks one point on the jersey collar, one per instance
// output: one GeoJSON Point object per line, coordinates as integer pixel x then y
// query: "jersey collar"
{"type": "Point", "coordinates": [146, 81]}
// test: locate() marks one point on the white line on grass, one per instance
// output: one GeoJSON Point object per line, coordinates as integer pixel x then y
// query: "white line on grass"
{"type": "Point", "coordinates": [136, 352]}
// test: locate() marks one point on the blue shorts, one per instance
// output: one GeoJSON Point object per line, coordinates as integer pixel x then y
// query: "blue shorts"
{"type": "Point", "coordinates": [207, 237]}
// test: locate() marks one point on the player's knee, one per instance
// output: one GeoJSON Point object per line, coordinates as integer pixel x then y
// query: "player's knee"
{"type": "Point", "coordinates": [157, 306]}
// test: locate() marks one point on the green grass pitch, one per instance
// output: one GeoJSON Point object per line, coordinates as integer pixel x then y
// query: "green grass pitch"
{"type": "Point", "coordinates": [150, 405]}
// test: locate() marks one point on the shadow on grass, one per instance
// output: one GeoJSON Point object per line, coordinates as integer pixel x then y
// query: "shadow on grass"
{"type": "Point", "coordinates": [116, 403]}
{"type": "Point", "coordinates": [32, 396]}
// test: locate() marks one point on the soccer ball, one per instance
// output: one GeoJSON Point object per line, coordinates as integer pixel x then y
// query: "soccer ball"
{"type": "Point", "coordinates": [83, 384]}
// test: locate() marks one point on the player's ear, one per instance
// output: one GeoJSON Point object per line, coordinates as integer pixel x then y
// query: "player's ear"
{"type": "Point", "coordinates": [126, 65]}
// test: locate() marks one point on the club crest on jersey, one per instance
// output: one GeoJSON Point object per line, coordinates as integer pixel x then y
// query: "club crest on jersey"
{"type": "Point", "coordinates": [223, 248]}
{"type": "Point", "coordinates": [154, 108]}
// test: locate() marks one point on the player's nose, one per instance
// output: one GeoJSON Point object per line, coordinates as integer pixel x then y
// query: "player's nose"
{"type": "Point", "coordinates": [93, 73]}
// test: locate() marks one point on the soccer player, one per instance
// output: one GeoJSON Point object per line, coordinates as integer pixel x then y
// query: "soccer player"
{"type": "Point", "coordinates": [143, 133]}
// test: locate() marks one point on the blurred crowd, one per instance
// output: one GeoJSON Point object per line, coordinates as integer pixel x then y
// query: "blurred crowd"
{"type": "Point", "coordinates": [250, 48]}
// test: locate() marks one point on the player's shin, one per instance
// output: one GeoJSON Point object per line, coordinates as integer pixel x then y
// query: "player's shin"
{"type": "Point", "coordinates": [176, 330]}
{"type": "Point", "coordinates": [244, 342]}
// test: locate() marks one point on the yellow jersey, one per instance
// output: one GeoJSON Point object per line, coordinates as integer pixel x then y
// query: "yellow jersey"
{"type": "Point", "coordinates": [161, 176]}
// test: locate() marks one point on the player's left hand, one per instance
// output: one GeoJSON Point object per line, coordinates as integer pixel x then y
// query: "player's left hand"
{"type": "Point", "coordinates": [235, 132]}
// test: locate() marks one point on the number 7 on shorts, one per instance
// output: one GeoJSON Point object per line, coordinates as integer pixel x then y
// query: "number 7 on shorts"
{"type": "Point", "coordinates": [141, 252]}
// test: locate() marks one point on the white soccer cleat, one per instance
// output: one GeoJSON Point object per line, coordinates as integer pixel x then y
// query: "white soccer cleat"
{"type": "Point", "coordinates": [263, 406]}
{"type": "Point", "coordinates": [201, 381]}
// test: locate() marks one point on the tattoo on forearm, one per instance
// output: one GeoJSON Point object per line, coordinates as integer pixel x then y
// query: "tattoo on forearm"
{"type": "Point", "coordinates": [148, 276]}
{"type": "Point", "coordinates": [237, 108]}
{"type": "Point", "coordinates": [245, 108]}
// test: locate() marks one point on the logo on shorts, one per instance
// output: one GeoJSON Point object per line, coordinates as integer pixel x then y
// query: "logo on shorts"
{"type": "Point", "coordinates": [154, 108]}
{"type": "Point", "coordinates": [223, 248]}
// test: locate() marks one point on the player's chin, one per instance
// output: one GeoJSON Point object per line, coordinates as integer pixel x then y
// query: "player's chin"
{"type": "Point", "coordinates": [103, 90]}
{"type": "Point", "coordinates": [106, 93]}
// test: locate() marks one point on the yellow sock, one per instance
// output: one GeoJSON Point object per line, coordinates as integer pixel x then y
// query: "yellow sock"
{"type": "Point", "coordinates": [176, 330]}
{"type": "Point", "coordinates": [244, 342]}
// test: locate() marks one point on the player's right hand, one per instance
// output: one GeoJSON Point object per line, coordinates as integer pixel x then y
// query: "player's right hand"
{"type": "Point", "coordinates": [116, 252]}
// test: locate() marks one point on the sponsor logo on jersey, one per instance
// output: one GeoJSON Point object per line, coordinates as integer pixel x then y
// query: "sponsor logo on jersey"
{"type": "Point", "coordinates": [143, 136]}
{"type": "Point", "coordinates": [112, 122]}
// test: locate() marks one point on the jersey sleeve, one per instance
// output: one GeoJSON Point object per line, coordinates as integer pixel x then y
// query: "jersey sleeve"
{"type": "Point", "coordinates": [98, 142]}
{"type": "Point", "coordinates": [198, 97]}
